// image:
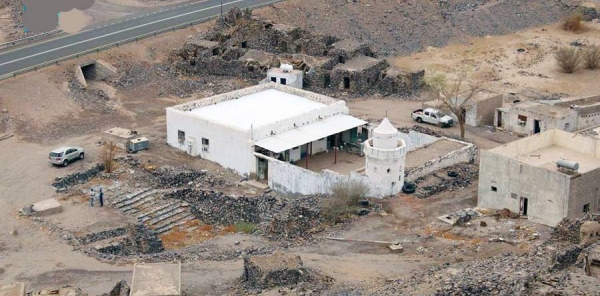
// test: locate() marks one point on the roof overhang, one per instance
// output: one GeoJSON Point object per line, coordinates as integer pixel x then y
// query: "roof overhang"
{"type": "Point", "coordinates": [309, 133]}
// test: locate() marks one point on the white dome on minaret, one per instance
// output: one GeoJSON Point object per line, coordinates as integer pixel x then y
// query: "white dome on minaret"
{"type": "Point", "coordinates": [385, 136]}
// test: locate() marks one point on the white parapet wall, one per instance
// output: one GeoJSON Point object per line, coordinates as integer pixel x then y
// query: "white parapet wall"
{"type": "Point", "coordinates": [288, 178]}
{"type": "Point", "coordinates": [415, 140]}
{"type": "Point", "coordinates": [466, 154]}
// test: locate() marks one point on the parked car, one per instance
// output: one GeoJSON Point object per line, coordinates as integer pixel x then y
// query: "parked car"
{"type": "Point", "coordinates": [65, 155]}
{"type": "Point", "coordinates": [432, 116]}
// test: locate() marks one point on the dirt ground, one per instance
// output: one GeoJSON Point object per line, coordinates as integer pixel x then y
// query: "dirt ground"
{"type": "Point", "coordinates": [45, 114]}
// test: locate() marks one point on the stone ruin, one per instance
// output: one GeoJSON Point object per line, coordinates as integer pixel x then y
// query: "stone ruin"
{"type": "Point", "coordinates": [244, 46]}
{"type": "Point", "coordinates": [277, 270]}
{"type": "Point", "coordinates": [584, 231]}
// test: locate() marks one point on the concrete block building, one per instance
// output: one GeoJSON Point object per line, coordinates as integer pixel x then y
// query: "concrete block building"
{"type": "Point", "coordinates": [532, 117]}
{"type": "Point", "coordinates": [285, 75]}
{"type": "Point", "coordinates": [279, 121]}
{"type": "Point", "coordinates": [479, 110]}
{"type": "Point", "coordinates": [524, 176]}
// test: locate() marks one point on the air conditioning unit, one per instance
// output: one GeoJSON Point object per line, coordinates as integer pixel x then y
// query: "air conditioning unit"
{"type": "Point", "coordinates": [205, 149]}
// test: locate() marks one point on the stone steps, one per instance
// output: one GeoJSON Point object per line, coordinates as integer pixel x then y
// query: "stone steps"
{"type": "Point", "coordinates": [166, 215]}
{"type": "Point", "coordinates": [160, 210]}
{"type": "Point", "coordinates": [128, 203]}
{"type": "Point", "coordinates": [130, 196]}
{"type": "Point", "coordinates": [173, 221]}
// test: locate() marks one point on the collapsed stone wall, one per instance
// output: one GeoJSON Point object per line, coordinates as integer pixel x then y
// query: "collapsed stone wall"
{"type": "Point", "coordinates": [77, 178]}
{"type": "Point", "coordinates": [570, 229]}
{"type": "Point", "coordinates": [466, 154]}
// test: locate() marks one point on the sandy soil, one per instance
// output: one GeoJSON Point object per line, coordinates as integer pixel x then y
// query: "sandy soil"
{"type": "Point", "coordinates": [498, 61]}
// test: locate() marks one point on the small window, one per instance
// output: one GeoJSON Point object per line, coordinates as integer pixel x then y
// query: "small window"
{"type": "Point", "coordinates": [388, 171]}
{"type": "Point", "coordinates": [586, 208]}
{"type": "Point", "coordinates": [273, 79]}
{"type": "Point", "coordinates": [283, 81]}
{"type": "Point", "coordinates": [494, 189]}
{"type": "Point", "coordinates": [205, 142]}
{"type": "Point", "coordinates": [181, 136]}
{"type": "Point", "coordinates": [522, 120]}
{"type": "Point", "coordinates": [244, 44]}
{"type": "Point", "coordinates": [215, 51]}
{"type": "Point", "coordinates": [426, 113]}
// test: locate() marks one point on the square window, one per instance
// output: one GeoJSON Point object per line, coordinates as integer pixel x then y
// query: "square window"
{"type": "Point", "coordinates": [205, 142]}
{"type": "Point", "coordinates": [494, 189]}
{"type": "Point", "coordinates": [283, 81]}
{"type": "Point", "coordinates": [586, 208]}
{"type": "Point", "coordinates": [273, 79]}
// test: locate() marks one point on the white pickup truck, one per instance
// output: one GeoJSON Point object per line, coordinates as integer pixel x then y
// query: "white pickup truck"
{"type": "Point", "coordinates": [432, 116]}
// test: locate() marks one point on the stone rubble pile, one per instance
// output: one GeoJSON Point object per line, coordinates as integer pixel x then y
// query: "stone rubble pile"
{"type": "Point", "coordinates": [120, 289]}
{"type": "Point", "coordinates": [279, 270]}
{"type": "Point", "coordinates": [170, 177]}
{"type": "Point", "coordinates": [569, 229]}
{"type": "Point", "coordinates": [421, 129]}
{"type": "Point", "coordinates": [77, 178]}
{"type": "Point", "coordinates": [467, 173]}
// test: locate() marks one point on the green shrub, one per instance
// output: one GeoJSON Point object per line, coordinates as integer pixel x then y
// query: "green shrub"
{"type": "Point", "coordinates": [343, 202]}
{"type": "Point", "coordinates": [245, 227]}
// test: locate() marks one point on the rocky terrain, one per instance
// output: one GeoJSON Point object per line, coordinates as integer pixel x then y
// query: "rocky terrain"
{"type": "Point", "coordinates": [402, 27]}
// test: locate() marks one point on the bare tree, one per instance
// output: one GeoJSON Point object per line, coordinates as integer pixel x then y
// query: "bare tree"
{"type": "Point", "coordinates": [591, 58]}
{"type": "Point", "coordinates": [455, 95]}
{"type": "Point", "coordinates": [568, 58]}
{"type": "Point", "coordinates": [107, 156]}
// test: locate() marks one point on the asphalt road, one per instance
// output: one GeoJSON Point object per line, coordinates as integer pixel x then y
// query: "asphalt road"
{"type": "Point", "coordinates": [133, 26]}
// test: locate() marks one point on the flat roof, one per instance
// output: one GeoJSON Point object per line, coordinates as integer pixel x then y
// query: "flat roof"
{"type": "Point", "coordinates": [152, 279]}
{"type": "Point", "coordinates": [309, 133]}
{"type": "Point", "coordinates": [257, 109]}
{"type": "Point", "coordinates": [358, 63]}
{"type": "Point", "coordinates": [546, 109]}
{"type": "Point", "coordinates": [546, 157]}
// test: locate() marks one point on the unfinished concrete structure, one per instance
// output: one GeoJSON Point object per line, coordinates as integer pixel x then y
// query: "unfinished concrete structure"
{"type": "Point", "coordinates": [385, 156]}
{"type": "Point", "coordinates": [249, 47]}
{"type": "Point", "coordinates": [532, 117]}
{"type": "Point", "coordinates": [523, 176]}
{"type": "Point", "coordinates": [479, 110]}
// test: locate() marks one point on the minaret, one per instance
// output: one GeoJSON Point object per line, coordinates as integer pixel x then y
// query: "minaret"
{"type": "Point", "coordinates": [385, 155]}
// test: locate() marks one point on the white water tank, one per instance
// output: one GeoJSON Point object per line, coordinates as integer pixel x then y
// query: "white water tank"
{"type": "Point", "coordinates": [286, 67]}
{"type": "Point", "coordinates": [563, 163]}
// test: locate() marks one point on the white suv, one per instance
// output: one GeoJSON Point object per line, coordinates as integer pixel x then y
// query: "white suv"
{"type": "Point", "coordinates": [64, 155]}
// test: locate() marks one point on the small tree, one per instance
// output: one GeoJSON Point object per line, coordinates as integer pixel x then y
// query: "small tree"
{"type": "Point", "coordinates": [344, 200]}
{"type": "Point", "coordinates": [107, 156]}
{"type": "Point", "coordinates": [591, 57]}
{"type": "Point", "coordinates": [454, 95]}
{"type": "Point", "coordinates": [573, 23]}
{"type": "Point", "coordinates": [568, 58]}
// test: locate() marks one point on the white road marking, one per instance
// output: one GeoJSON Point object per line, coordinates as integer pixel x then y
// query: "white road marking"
{"type": "Point", "coordinates": [117, 32]}
{"type": "Point", "coordinates": [90, 29]}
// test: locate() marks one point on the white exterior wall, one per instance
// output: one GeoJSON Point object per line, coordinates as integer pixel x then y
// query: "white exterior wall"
{"type": "Point", "coordinates": [385, 167]}
{"type": "Point", "coordinates": [415, 140]}
{"type": "Point", "coordinates": [228, 146]}
{"type": "Point", "coordinates": [319, 146]}
{"type": "Point", "coordinates": [293, 78]}
{"type": "Point", "coordinates": [285, 177]}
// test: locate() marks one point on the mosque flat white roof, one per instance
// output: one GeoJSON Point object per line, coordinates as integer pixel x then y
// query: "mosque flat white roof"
{"type": "Point", "coordinates": [309, 133]}
{"type": "Point", "coordinates": [257, 109]}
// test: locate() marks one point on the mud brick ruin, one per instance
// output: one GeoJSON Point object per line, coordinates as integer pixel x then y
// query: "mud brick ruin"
{"type": "Point", "coordinates": [247, 47]}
